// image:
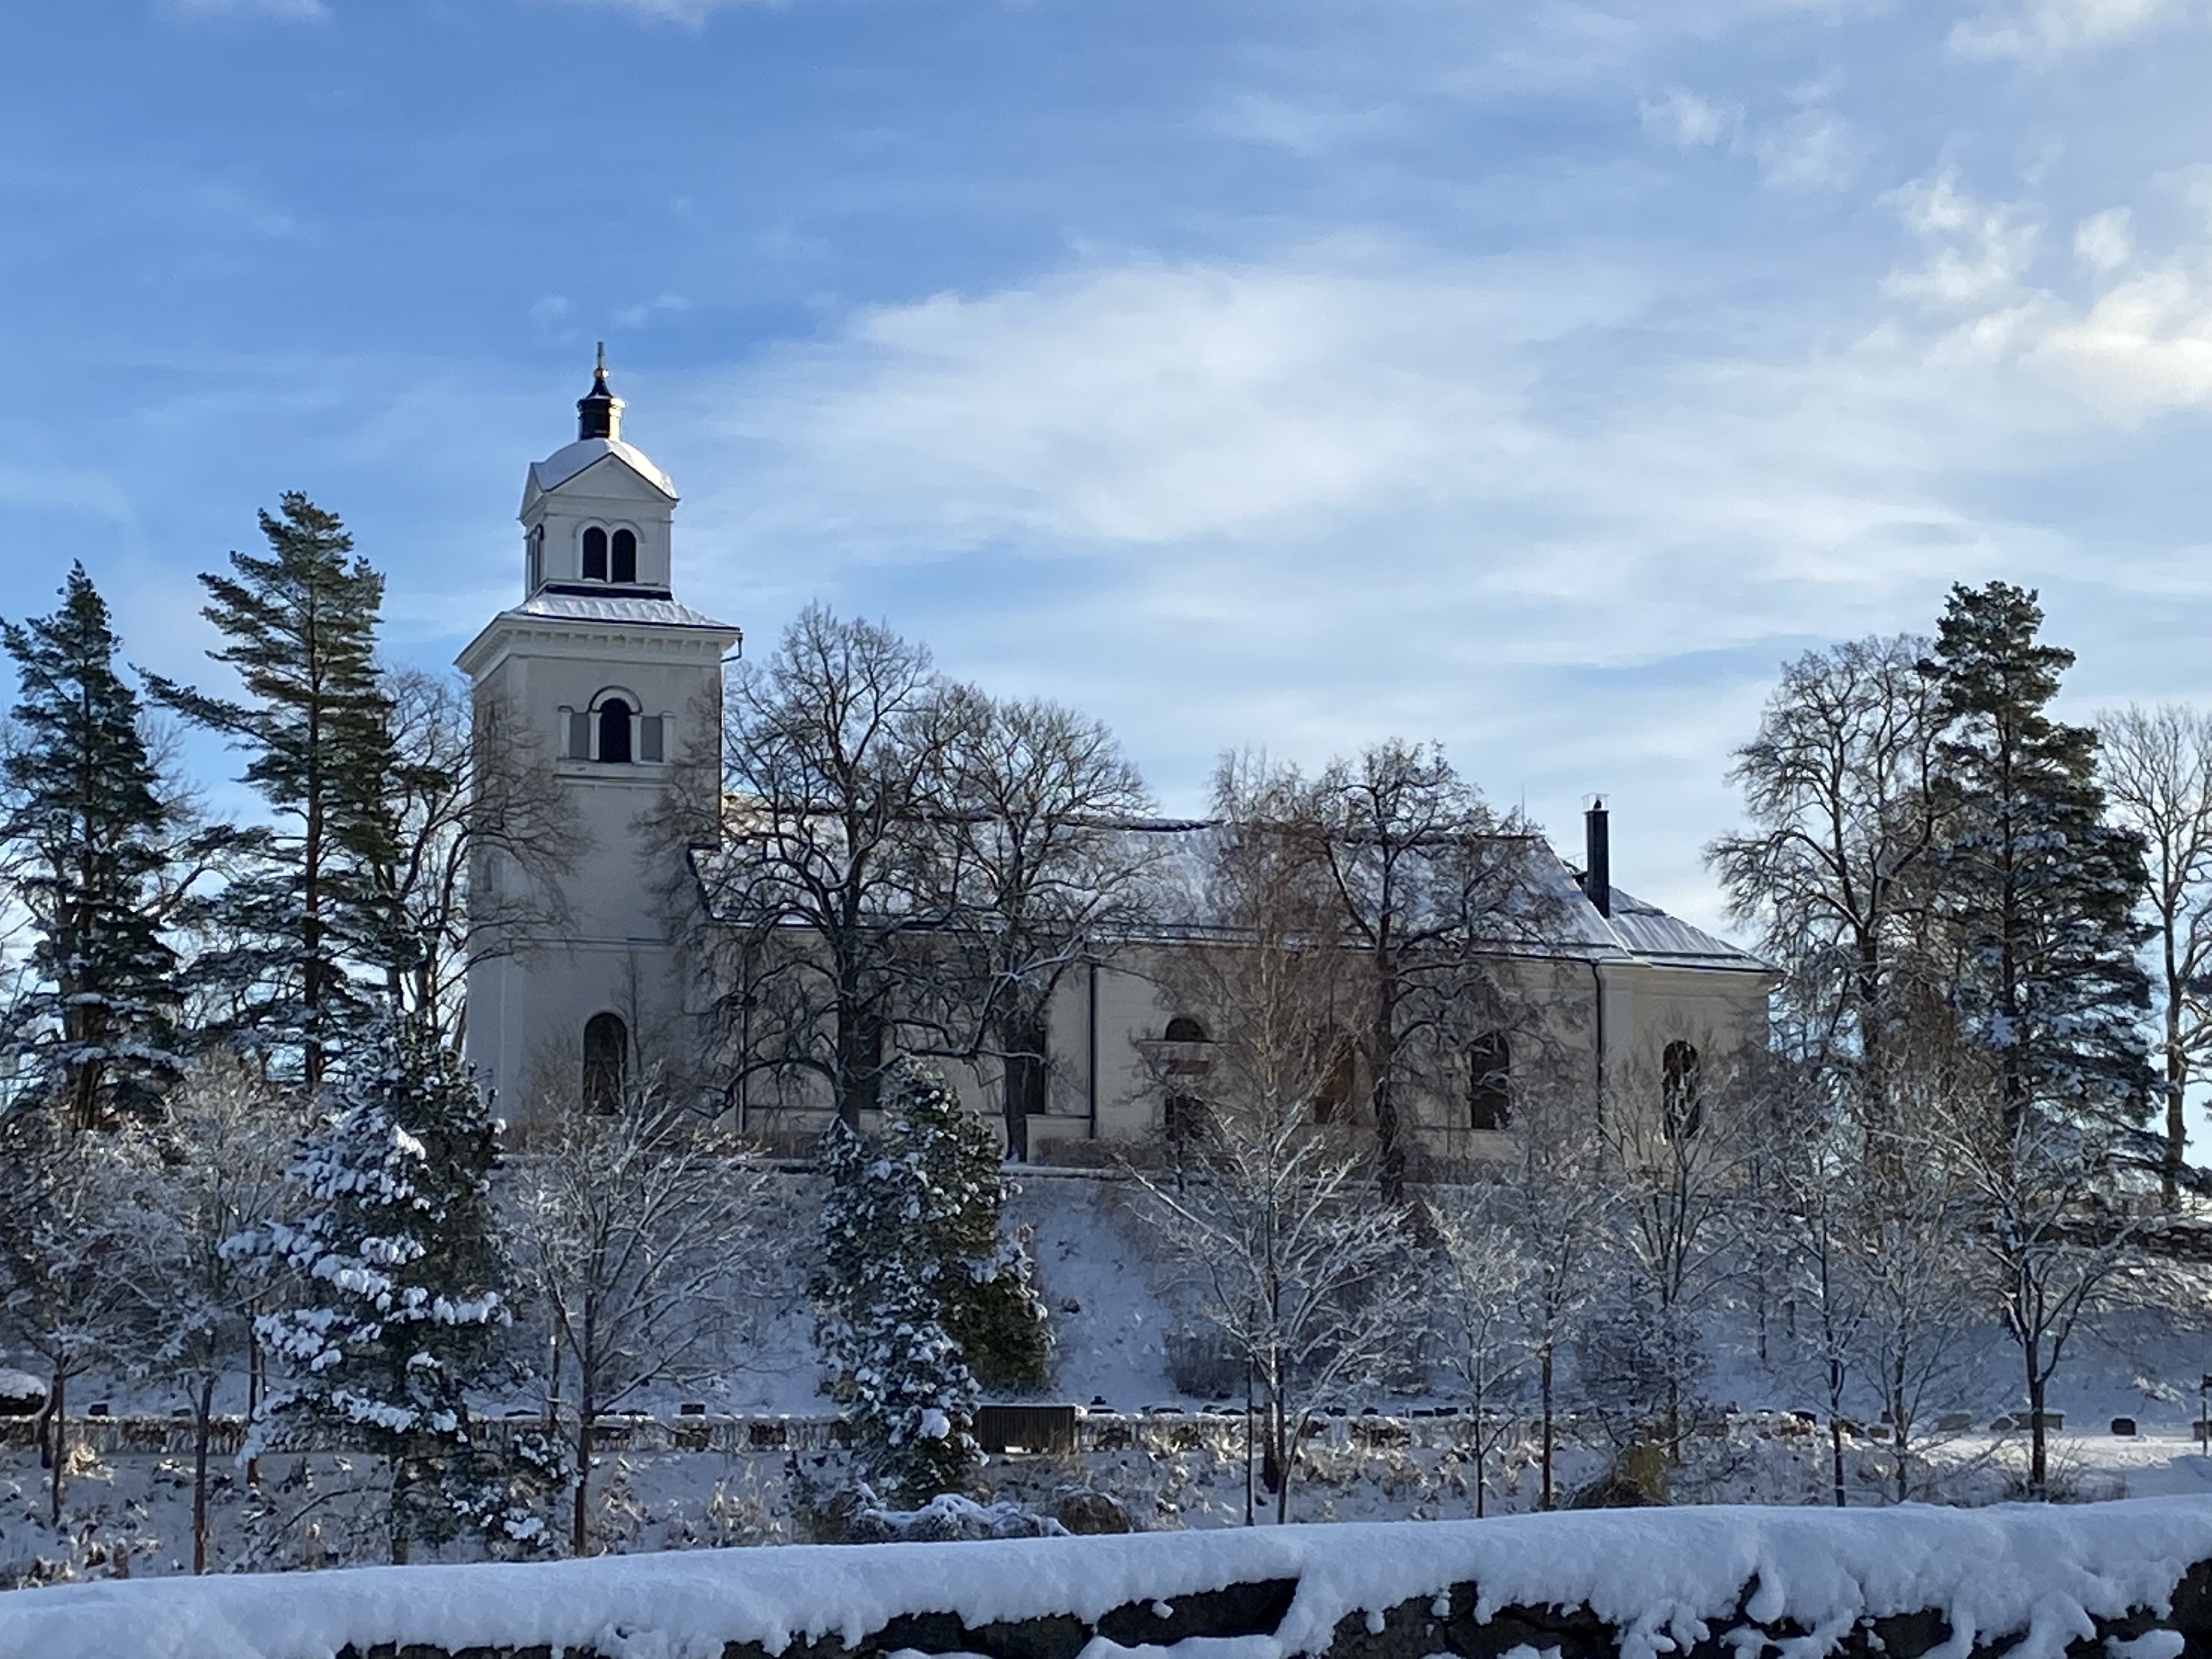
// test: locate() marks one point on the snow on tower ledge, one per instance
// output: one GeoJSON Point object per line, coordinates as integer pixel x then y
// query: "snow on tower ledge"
{"type": "Point", "coordinates": [2094, 1579]}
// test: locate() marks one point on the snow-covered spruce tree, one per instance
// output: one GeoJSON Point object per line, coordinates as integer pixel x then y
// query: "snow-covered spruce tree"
{"type": "Point", "coordinates": [403, 1286]}
{"type": "Point", "coordinates": [90, 830]}
{"type": "Point", "coordinates": [914, 1270]}
{"type": "Point", "coordinates": [986, 1284]}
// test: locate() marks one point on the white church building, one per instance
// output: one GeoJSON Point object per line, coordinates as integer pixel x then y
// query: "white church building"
{"type": "Point", "coordinates": [601, 675]}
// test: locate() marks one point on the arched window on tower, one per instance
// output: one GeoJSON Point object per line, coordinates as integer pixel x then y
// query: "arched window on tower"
{"type": "Point", "coordinates": [614, 731]}
{"type": "Point", "coordinates": [595, 554]}
{"type": "Point", "coordinates": [1183, 1028]}
{"type": "Point", "coordinates": [1490, 1082]}
{"type": "Point", "coordinates": [606, 1057]}
{"type": "Point", "coordinates": [537, 558]}
{"type": "Point", "coordinates": [625, 555]}
{"type": "Point", "coordinates": [1682, 1105]}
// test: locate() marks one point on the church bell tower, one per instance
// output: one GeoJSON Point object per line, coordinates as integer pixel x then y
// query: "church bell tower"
{"type": "Point", "coordinates": [599, 686]}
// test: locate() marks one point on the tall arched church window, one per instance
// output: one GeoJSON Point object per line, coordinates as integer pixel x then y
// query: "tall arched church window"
{"type": "Point", "coordinates": [537, 557]}
{"type": "Point", "coordinates": [1490, 1082]}
{"type": "Point", "coordinates": [625, 556]}
{"type": "Point", "coordinates": [606, 1055]}
{"type": "Point", "coordinates": [614, 731]}
{"type": "Point", "coordinates": [595, 554]}
{"type": "Point", "coordinates": [1682, 1105]}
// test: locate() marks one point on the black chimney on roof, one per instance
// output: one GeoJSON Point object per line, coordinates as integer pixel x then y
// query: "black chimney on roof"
{"type": "Point", "coordinates": [1597, 863]}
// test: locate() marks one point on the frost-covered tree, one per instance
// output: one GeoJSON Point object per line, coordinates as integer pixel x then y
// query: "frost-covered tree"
{"type": "Point", "coordinates": [1297, 1260]}
{"type": "Point", "coordinates": [403, 1285]}
{"type": "Point", "coordinates": [92, 830]}
{"type": "Point", "coordinates": [224, 1148]}
{"type": "Point", "coordinates": [70, 1205]}
{"type": "Point", "coordinates": [631, 1229]}
{"type": "Point", "coordinates": [1483, 1275]}
{"type": "Point", "coordinates": [920, 1288]}
{"type": "Point", "coordinates": [308, 916]}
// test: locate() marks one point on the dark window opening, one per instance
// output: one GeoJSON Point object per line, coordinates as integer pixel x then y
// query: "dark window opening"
{"type": "Point", "coordinates": [1185, 1121]}
{"type": "Point", "coordinates": [614, 730]}
{"type": "Point", "coordinates": [606, 1055]}
{"type": "Point", "coordinates": [1681, 1104]}
{"type": "Point", "coordinates": [625, 556]}
{"type": "Point", "coordinates": [1337, 1072]}
{"type": "Point", "coordinates": [1490, 1082]}
{"type": "Point", "coordinates": [1183, 1028]}
{"type": "Point", "coordinates": [595, 554]}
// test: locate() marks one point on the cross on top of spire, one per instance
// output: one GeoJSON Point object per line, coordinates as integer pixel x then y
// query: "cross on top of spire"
{"type": "Point", "coordinates": [599, 411]}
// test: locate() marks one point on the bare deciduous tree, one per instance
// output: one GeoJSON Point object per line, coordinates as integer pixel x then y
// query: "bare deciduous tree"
{"type": "Point", "coordinates": [1297, 1262]}
{"type": "Point", "coordinates": [833, 752]}
{"type": "Point", "coordinates": [2156, 765]}
{"type": "Point", "coordinates": [631, 1228]}
{"type": "Point", "coordinates": [1428, 888]}
{"type": "Point", "coordinates": [1044, 862]}
{"type": "Point", "coordinates": [1834, 868]}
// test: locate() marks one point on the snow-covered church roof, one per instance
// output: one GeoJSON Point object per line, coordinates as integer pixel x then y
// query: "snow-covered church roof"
{"type": "Point", "coordinates": [573, 460]}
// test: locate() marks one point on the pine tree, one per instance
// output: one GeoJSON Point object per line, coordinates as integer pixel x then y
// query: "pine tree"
{"type": "Point", "coordinates": [918, 1290]}
{"type": "Point", "coordinates": [311, 911]}
{"type": "Point", "coordinates": [2039, 890]}
{"type": "Point", "coordinates": [88, 823]}
{"type": "Point", "coordinates": [395, 1243]}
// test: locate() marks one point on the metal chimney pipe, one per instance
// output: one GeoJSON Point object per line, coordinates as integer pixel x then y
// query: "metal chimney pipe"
{"type": "Point", "coordinates": [1597, 863]}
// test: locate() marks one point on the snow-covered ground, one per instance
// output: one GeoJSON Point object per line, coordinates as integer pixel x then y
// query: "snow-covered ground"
{"type": "Point", "coordinates": [1113, 1309]}
{"type": "Point", "coordinates": [1665, 1581]}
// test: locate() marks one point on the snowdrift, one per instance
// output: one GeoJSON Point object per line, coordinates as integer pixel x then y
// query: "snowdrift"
{"type": "Point", "coordinates": [2129, 1580]}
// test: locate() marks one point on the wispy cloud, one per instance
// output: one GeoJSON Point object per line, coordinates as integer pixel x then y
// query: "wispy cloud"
{"type": "Point", "coordinates": [1684, 118]}
{"type": "Point", "coordinates": [2052, 28]}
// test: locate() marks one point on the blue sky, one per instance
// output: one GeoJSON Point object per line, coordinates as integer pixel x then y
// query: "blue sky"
{"type": "Point", "coordinates": [1532, 377]}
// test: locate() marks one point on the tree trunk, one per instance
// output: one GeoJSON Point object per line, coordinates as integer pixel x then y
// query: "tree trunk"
{"type": "Point", "coordinates": [2038, 1472]}
{"type": "Point", "coordinates": [59, 1404]}
{"type": "Point", "coordinates": [580, 1520]}
{"type": "Point", "coordinates": [1544, 1392]}
{"type": "Point", "coordinates": [203, 1417]}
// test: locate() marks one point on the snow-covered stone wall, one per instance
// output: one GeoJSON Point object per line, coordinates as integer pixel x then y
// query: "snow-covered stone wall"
{"type": "Point", "coordinates": [2129, 1580]}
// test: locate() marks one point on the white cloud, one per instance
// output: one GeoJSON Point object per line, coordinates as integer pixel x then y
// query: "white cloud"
{"type": "Point", "coordinates": [1977, 252]}
{"type": "Point", "coordinates": [1685, 119]}
{"type": "Point", "coordinates": [1814, 149]}
{"type": "Point", "coordinates": [2052, 28]}
{"type": "Point", "coordinates": [2101, 240]}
